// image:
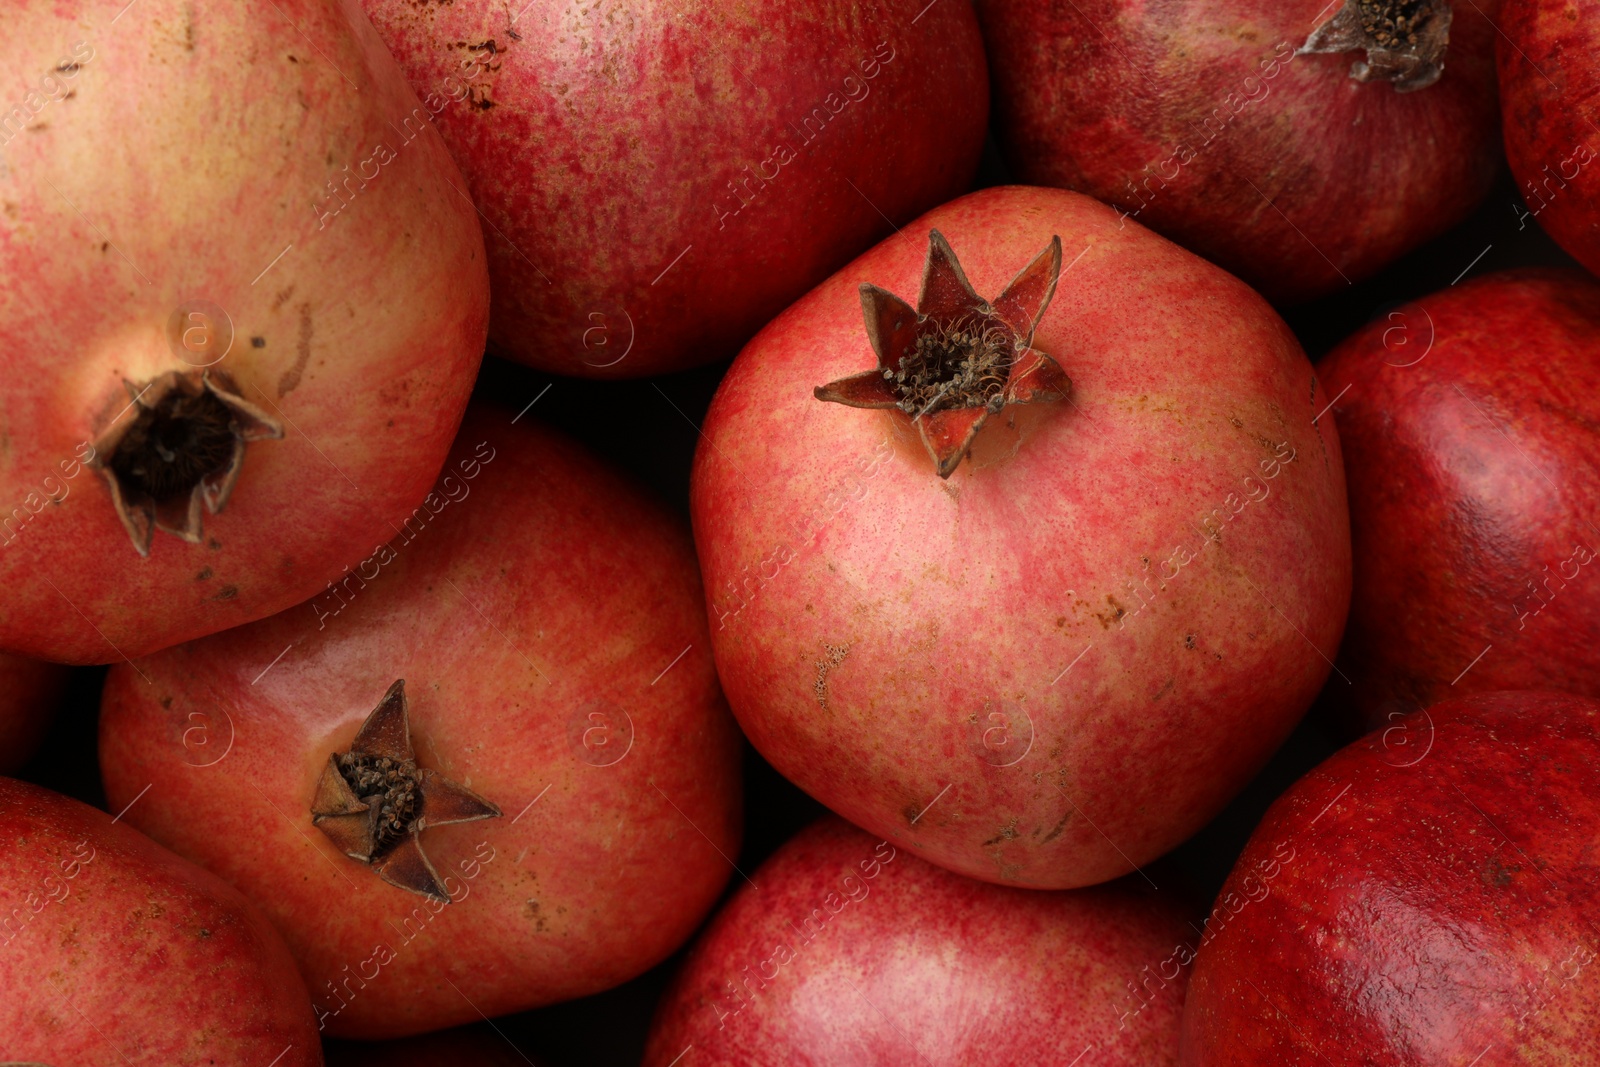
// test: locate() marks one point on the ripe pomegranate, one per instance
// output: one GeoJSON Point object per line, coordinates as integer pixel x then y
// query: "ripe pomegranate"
{"type": "Point", "coordinates": [1426, 896]}
{"type": "Point", "coordinates": [29, 692]}
{"type": "Point", "coordinates": [845, 951]}
{"type": "Point", "coordinates": [1550, 92]}
{"type": "Point", "coordinates": [234, 353]}
{"type": "Point", "coordinates": [1303, 146]}
{"type": "Point", "coordinates": [658, 183]}
{"type": "Point", "coordinates": [1064, 656]}
{"type": "Point", "coordinates": [1471, 428]}
{"type": "Point", "coordinates": [113, 950]}
{"type": "Point", "coordinates": [487, 770]}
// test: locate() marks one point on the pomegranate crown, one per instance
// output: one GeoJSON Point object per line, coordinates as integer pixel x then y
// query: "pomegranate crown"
{"type": "Point", "coordinates": [956, 359]}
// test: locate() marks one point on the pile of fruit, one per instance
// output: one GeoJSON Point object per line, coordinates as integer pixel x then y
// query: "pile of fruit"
{"type": "Point", "coordinates": [790, 533]}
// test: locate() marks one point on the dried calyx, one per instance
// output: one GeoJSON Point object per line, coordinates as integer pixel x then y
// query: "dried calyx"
{"type": "Point", "coordinates": [956, 359]}
{"type": "Point", "coordinates": [374, 802]}
{"type": "Point", "coordinates": [179, 444]}
{"type": "Point", "coordinates": [1404, 40]}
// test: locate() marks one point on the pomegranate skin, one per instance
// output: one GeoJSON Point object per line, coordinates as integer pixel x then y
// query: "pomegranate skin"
{"type": "Point", "coordinates": [358, 327]}
{"type": "Point", "coordinates": [115, 951]}
{"type": "Point", "coordinates": [848, 953]}
{"type": "Point", "coordinates": [1471, 432]}
{"type": "Point", "coordinates": [1431, 900]}
{"type": "Point", "coordinates": [547, 592]}
{"type": "Point", "coordinates": [966, 667]}
{"type": "Point", "coordinates": [30, 689]}
{"type": "Point", "coordinates": [1200, 121]}
{"type": "Point", "coordinates": [1550, 91]}
{"type": "Point", "coordinates": [659, 183]}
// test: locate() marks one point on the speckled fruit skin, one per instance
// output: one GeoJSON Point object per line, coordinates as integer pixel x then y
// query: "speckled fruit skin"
{"type": "Point", "coordinates": [115, 951]}
{"type": "Point", "coordinates": [1471, 426]}
{"type": "Point", "coordinates": [193, 146]}
{"type": "Point", "coordinates": [550, 591]}
{"type": "Point", "coordinates": [29, 692]}
{"type": "Point", "coordinates": [966, 667]}
{"type": "Point", "coordinates": [604, 143]}
{"type": "Point", "coordinates": [1550, 93]}
{"type": "Point", "coordinates": [847, 952]}
{"type": "Point", "coordinates": [1200, 121]}
{"type": "Point", "coordinates": [1434, 901]}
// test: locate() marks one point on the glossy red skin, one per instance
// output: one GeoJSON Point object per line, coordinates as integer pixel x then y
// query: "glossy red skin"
{"type": "Point", "coordinates": [29, 692]}
{"type": "Point", "coordinates": [1426, 898]}
{"type": "Point", "coordinates": [115, 951]}
{"type": "Point", "coordinates": [909, 963]}
{"type": "Point", "coordinates": [1550, 93]}
{"type": "Point", "coordinates": [477, 1046]}
{"type": "Point", "coordinates": [822, 525]}
{"type": "Point", "coordinates": [602, 143]}
{"type": "Point", "coordinates": [1471, 429]}
{"type": "Point", "coordinates": [577, 576]}
{"type": "Point", "coordinates": [372, 328]}
{"type": "Point", "coordinates": [1102, 96]}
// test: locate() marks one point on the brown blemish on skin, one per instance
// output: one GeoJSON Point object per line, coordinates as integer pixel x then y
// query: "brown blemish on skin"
{"type": "Point", "coordinates": [530, 911]}
{"type": "Point", "coordinates": [285, 293]}
{"type": "Point", "coordinates": [291, 377]}
{"type": "Point", "coordinates": [203, 575]}
{"type": "Point", "coordinates": [227, 592]}
{"type": "Point", "coordinates": [1008, 832]}
{"type": "Point", "coordinates": [833, 655]}
{"type": "Point", "coordinates": [1188, 640]}
{"type": "Point", "coordinates": [1056, 830]}
{"type": "Point", "coordinates": [1114, 615]}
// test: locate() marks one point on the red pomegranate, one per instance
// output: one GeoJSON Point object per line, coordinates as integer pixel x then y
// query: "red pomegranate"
{"type": "Point", "coordinates": [233, 352]}
{"type": "Point", "coordinates": [844, 951]}
{"type": "Point", "coordinates": [657, 183]}
{"type": "Point", "coordinates": [1426, 896]}
{"type": "Point", "coordinates": [29, 692]}
{"type": "Point", "coordinates": [487, 770]}
{"type": "Point", "coordinates": [1303, 145]}
{"type": "Point", "coordinates": [1471, 429]}
{"type": "Point", "coordinates": [1065, 656]}
{"type": "Point", "coordinates": [1550, 93]}
{"type": "Point", "coordinates": [113, 950]}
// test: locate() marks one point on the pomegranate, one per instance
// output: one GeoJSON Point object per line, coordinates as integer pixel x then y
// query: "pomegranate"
{"type": "Point", "coordinates": [1472, 432]}
{"type": "Point", "coordinates": [1065, 655]}
{"type": "Point", "coordinates": [1550, 93]}
{"type": "Point", "coordinates": [489, 769]}
{"type": "Point", "coordinates": [29, 692]}
{"type": "Point", "coordinates": [658, 182]}
{"type": "Point", "coordinates": [1303, 146]}
{"type": "Point", "coordinates": [843, 950]}
{"type": "Point", "coordinates": [1426, 896]}
{"type": "Point", "coordinates": [113, 950]}
{"type": "Point", "coordinates": [234, 353]}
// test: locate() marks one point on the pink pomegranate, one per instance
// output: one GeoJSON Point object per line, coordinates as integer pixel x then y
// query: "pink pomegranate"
{"type": "Point", "coordinates": [658, 182]}
{"type": "Point", "coordinates": [844, 951]}
{"type": "Point", "coordinates": [1065, 655]}
{"type": "Point", "coordinates": [113, 950]}
{"type": "Point", "coordinates": [29, 692]}
{"type": "Point", "coordinates": [487, 770]}
{"type": "Point", "coordinates": [241, 308]}
{"type": "Point", "coordinates": [1303, 146]}
{"type": "Point", "coordinates": [1550, 92]}
{"type": "Point", "coordinates": [1426, 896]}
{"type": "Point", "coordinates": [1471, 429]}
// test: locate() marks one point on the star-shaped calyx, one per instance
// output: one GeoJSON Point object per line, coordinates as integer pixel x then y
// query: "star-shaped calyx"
{"type": "Point", "coordinates": [374, 802]}
{"type": "Point", "coordinates": [183, 446]}
{"type": "Point", "coordinates": [1404, 40]}
{"type": "Point", "coordinates": [956, 359]}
